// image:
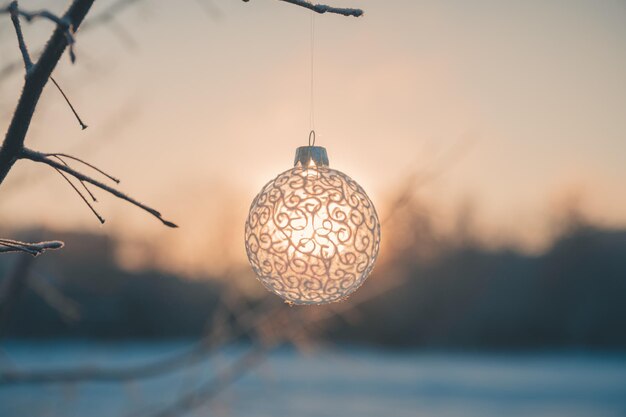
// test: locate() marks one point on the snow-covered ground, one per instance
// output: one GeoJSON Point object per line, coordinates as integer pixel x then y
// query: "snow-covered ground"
{"type": "Point", "coordinates": [342, 382]}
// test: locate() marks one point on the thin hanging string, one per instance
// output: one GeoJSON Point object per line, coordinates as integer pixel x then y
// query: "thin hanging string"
{"type": "Point", "coordinates": [312, 104]}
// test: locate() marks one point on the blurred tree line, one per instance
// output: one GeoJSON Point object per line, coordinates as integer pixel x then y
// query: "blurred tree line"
{"type": "Point", "coordinates": [460, 295]}
{"type": "Point", "coordinates": [571, 296]}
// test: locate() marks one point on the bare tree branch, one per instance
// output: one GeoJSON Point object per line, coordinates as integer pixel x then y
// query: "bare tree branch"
{"type": "Point", "coordinates": [93, 210]}
{"type": "Point", "coordinates": [87, 190]}
{"type": "Point", "coordinates": [37, 75]}
{"type": "Point", "coordinates": [95, 168]}
{"type": "Point", "coordinates": [83, 126]}
{"type": "Point", "coordinates": [28, 63]}
{"type": "Point", "coordinates": [45, 14]}
{"type": "Point", "coordinates": [321, 8]}
{"type": "Point", "coordinates": [108, 15]}
{"type": "Point", "coordinates": [43, 158]}
{"type": "Point", "coordinates": [13, 10]}
{"type": "Point", "coordinates": [104, 17]}
{"type": "Point", "coordinates": [61, 22]}
{"type": "Point", "coordinates": [9, 245]}
{"type": "Point", "coordinates": [36, 80]}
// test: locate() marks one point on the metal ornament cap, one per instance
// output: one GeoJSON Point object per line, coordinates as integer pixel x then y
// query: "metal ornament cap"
{"type": "Point", "coordinates": [305, 155]}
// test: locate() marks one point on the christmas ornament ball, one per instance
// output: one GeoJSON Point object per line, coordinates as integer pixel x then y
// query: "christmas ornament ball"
{"type": "Point", "coordinates": [312, 234]}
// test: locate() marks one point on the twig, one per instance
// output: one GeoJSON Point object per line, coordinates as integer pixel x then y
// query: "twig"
{"type": "Point", "coordinates": [13, 10]}
{"type": "Point", "coordinates": [83, 126]}
{"type": "Point", "coordinates": [9, 245]}
{"type": "Point", "coordinates": [61, 22]}
{"type": "Point", "coordinates": [95, 168]}
{"type": "Point", "coordinates": [93, 210]}
{"type": "Point", "coordinates": [45, 14]}
{"type": "Point", "coordinates": [43, 158]}
{"type": "Point", "coordinates": [87, 190]}
{"type": "Point", "coordinates": [322, 8]}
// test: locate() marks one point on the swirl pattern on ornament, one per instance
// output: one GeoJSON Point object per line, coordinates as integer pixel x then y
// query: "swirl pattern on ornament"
{"type": "Point", "coordinates": [312, 235]}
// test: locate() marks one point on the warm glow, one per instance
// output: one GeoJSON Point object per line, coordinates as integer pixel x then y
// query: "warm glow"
{"type": "Point", "coordinates": [312, 235]}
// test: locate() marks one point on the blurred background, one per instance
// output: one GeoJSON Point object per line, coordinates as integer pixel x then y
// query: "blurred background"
{"type": "Point", "coordinates": [490, 136]}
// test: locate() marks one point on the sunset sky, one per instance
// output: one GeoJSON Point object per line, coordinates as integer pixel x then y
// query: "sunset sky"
{"type": "Point", "coordinates": [197, 104]}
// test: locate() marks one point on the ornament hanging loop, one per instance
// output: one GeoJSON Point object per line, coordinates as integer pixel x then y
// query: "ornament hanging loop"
{"type": "Point", "coordinates": [305, 155]}
{"type": "Point", "coordinates": [312, 138]}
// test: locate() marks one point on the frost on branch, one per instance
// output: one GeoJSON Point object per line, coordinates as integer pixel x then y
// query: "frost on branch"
{"type": "Point", "coordinates": [9, 245]}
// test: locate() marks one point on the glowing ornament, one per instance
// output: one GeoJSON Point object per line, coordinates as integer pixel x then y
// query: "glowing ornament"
{"type": "Point", "coordinates": [312, 234]}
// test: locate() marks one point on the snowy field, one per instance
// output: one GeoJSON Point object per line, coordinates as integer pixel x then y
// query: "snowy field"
{"type": "Point", "coordinates": [340, 382]}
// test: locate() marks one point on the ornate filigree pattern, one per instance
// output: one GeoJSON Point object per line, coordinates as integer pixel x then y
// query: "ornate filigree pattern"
{"type": "Point", "coordinates": [312, 235]}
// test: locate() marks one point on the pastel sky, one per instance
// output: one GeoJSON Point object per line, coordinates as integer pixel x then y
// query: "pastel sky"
{"type": "Point", "coordinates": [197, 104]}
